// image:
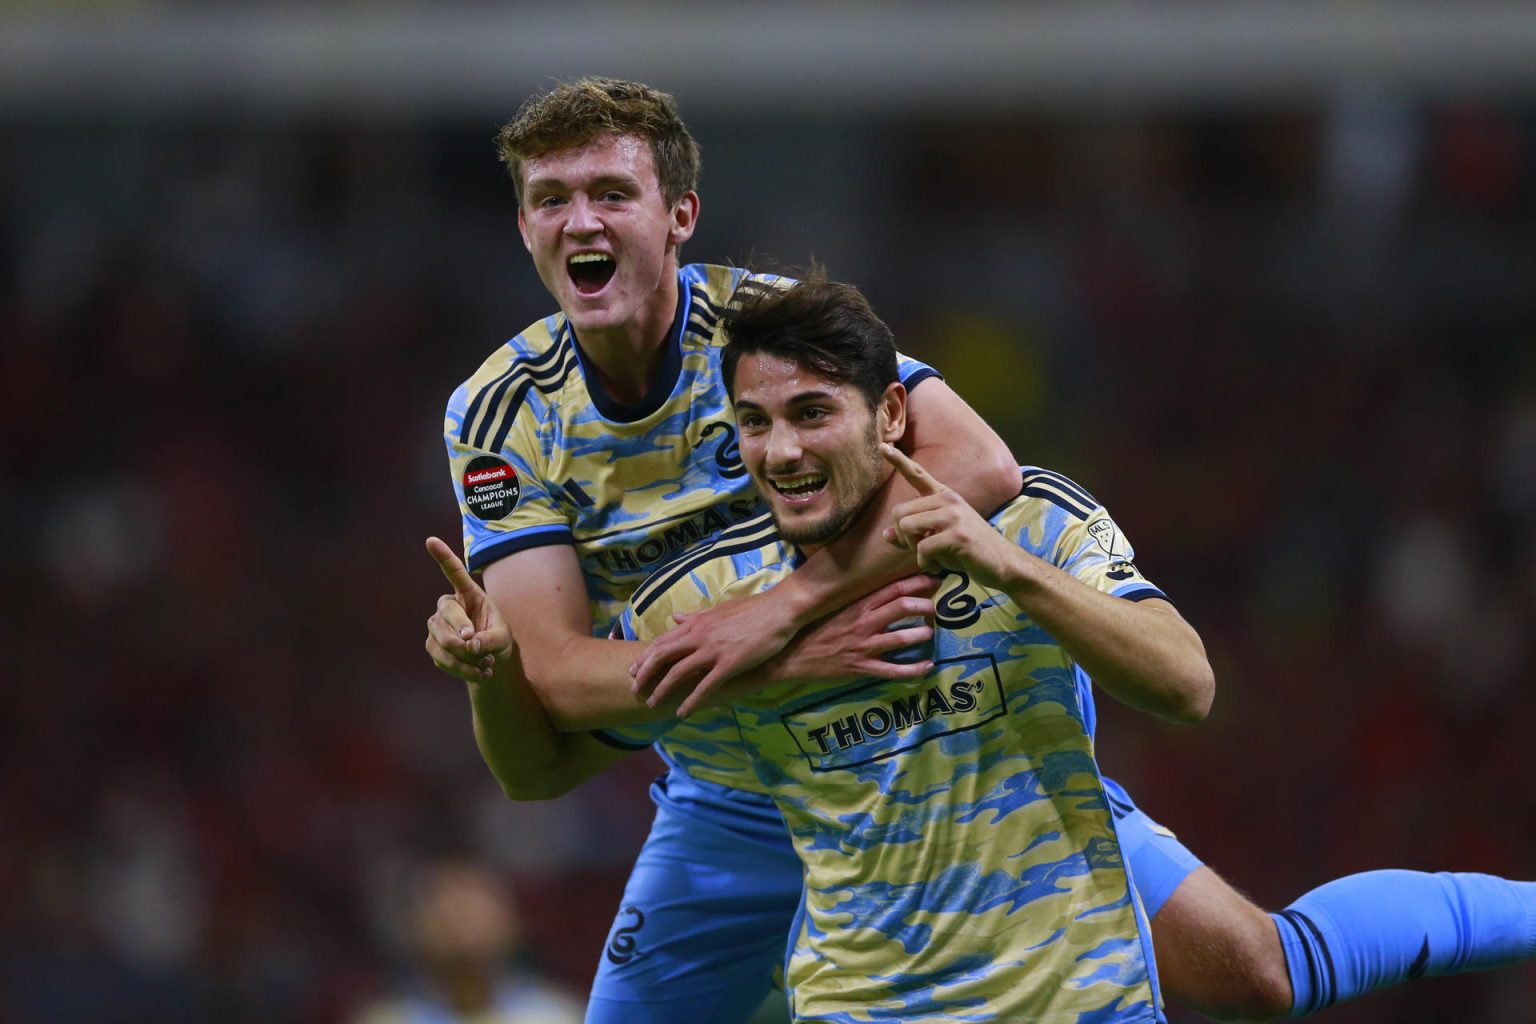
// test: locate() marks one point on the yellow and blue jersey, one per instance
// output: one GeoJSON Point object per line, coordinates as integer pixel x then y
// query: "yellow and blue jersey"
{"type": "Point", "coordinates": [961, 860]}
{"type": "Point", "coordinates": [541, 454]}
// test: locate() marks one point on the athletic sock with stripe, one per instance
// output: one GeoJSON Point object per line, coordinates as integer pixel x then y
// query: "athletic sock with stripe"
{"type": "Point", "coordinates": [1366, 931]}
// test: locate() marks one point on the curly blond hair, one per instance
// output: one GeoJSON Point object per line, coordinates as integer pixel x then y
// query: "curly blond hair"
{"type": "Point", "coordinates": [578, 111]}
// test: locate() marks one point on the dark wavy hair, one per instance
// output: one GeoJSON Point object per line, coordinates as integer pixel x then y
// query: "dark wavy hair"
{"type": "Point", "coordinates": [822, 325]}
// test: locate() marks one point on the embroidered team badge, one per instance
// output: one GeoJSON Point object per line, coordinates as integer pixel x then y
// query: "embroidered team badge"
{"type": "Point", "coordinates": [490, 487]}
{"type": "Point", "coordinates": [1107, 537]}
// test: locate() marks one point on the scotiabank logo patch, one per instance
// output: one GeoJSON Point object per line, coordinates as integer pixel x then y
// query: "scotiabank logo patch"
{"type": "Point", "coordinates": [490, 487]}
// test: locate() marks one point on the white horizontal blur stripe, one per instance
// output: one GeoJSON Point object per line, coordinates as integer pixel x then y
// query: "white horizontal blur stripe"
{"type": "Point", "coordinates": [859, 56]}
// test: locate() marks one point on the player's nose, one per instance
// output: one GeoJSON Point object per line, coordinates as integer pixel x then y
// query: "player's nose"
{"type": "Point", "coordinates": [783, 450]}
{"type": "Point", "coordinates": [582, 218]}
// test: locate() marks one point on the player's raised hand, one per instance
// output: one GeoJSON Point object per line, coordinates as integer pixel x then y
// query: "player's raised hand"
{"type": "Point", "coordinates": [853, 643]}
{"type": "Point", "coordinates": [942, 530]}
{"type": "Point", "coordinates": [711, 647]}
{"type": "Point", "coordinates": [850, 644]}
{"type": "Point", "coordinates": [466, 636]}
{"type": "Point", "coordinates": [912, 471]}
{"type": "Point", "coordinates": [847, 645]}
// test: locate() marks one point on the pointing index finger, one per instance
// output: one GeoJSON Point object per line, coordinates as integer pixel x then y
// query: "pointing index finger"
{"type": "Point", "coordinates": [915, 474]}
{"type": "Point", "coordinates": [463, 583]}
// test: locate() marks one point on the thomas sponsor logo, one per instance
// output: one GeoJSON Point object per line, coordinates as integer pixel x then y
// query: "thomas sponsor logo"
{"type": "Point", "coordinates": [884, 718]}
{"type": "Point", "coordinates": [878, 719]}
{"type": "Point", "coordinates": [668, 539]}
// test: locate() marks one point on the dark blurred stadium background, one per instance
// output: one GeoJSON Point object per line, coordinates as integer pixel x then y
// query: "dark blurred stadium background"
{"type": "Point", "coordinates": [1262, 277]}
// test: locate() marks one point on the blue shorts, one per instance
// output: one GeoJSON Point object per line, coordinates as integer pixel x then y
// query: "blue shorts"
{"type": "Point", "coordinates": [702, 929]}
{"type": "Point", "coordinates": [1158, 862]}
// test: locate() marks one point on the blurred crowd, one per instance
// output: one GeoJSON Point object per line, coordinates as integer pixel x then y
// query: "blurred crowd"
{"type": "Point", "coordinates": [1293, 351]}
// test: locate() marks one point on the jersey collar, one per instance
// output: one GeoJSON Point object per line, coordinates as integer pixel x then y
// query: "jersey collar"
{"type": "Point", "coordinates": [662, 384]}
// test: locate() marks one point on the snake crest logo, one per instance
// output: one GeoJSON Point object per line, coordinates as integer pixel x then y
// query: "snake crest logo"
{"type": "Point", "coordinates": [621, 945]}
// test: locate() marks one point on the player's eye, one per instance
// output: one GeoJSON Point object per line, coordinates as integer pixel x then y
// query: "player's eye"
{"type": "Point", "coordinates": [813, 413]}
{"type": "Point", "coordinates": [751, 421]}
{"type": "Point", "coordinates": [548, 202]}
{"type": "Point", "coordinates": [614, 196]}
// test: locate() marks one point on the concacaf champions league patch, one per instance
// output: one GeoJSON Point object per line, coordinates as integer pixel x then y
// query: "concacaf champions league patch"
{"type": "Point", "coordinates": [490, 487]}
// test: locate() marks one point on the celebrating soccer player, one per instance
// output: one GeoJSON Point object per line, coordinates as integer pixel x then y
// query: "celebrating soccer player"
{"type": "Point", "coordinates": [961, 859]}
{"type": "Point", "coordinates": [598, 444]}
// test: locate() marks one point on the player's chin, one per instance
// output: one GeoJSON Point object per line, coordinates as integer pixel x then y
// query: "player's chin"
{"type": "Point", "coordinates": [586, 311]}
{"type": "Point", "coordinates": [808, 529]}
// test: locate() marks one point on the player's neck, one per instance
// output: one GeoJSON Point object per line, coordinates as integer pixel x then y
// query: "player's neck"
{"type": "Point", "coordinates": [628, 356]}
{"type": "Point", "coordinates": [885, 477]}
{"type": "Point", "coordinates": [810, 549]}
{"type": "Point", "coordinates": [624, 371]}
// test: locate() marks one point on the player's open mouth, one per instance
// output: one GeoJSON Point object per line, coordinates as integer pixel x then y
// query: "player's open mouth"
{"type": "Point", "coordinates": [590, 271]}
{"type": "Point", "coordinates": [799, 488]}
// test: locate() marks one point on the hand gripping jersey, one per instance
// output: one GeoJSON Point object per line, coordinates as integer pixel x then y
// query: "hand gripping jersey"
{"type": "Point", "coordinates": [961, 860]}
{"type": "Point", "coordinates": [540, 454]}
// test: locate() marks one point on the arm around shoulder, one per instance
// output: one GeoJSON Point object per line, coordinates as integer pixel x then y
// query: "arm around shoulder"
{"type": "Point", "coordinates": [949, 439]}
{"type": "Point", "coordinates": [583, 681]}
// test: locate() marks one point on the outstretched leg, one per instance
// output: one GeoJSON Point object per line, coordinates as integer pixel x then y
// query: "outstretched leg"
{"type": "Point", "coordinates": [1220, 954]}
{"type": "Point", "coordinates": [1379, 928]}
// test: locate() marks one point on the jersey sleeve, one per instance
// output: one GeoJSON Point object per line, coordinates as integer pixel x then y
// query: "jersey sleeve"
{"type": "Point", "coordinates": [505, 502]}
{"type": "Point", "coordinates": [1057, 520]}
{"type": "Point", "coordinates": [912, 372]}
{"type": "Point", "coordinates": [654, 619]}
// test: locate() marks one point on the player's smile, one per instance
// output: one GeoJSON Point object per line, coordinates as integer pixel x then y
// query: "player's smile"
{"type": "Point", "coordinates": [807, 503]}
{"type": "Point", "coordinates": [800, 489]}
{"type": "Point", "coordinates": [810, 444]}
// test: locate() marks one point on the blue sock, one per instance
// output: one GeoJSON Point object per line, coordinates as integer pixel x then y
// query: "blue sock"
{"type": "Point", "coordinates": [1366, 931]}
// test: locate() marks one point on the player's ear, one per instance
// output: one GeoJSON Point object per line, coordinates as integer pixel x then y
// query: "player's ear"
{"type": "Point", "coordinates": [522, 228]}
{"type": "Point", "coordinates": [685, 217]}
{"type": "Point", "coordinates": [891, 412]}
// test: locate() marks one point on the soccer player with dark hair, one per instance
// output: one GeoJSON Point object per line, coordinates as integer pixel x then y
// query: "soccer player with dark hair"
{"type": "Point", "coordinates": [961, 859]}
{"type": "Point", "coordinates": [598, 443]}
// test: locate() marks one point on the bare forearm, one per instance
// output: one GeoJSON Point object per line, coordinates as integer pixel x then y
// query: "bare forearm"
{"type": "Point", "coordinates": [584, 683]}
{"type": "Point", "coordinates": [1141, 653]}
{"type": "Point", "coordinates": [469, 638]}
{"type": "Point", "coordinates": [515, 738]}
{"type": "Point", "coordinates": [528, 757]}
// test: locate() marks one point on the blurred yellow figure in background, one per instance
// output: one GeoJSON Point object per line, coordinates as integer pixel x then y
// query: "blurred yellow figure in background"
{"type": "Point", "coordinates": [462, 931]}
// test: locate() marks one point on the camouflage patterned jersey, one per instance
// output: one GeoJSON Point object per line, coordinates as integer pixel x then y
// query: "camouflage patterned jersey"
{"type": "Point", "coordinates": [961, 860]}
{"type": "Point", "coordinates": [540, 454]}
